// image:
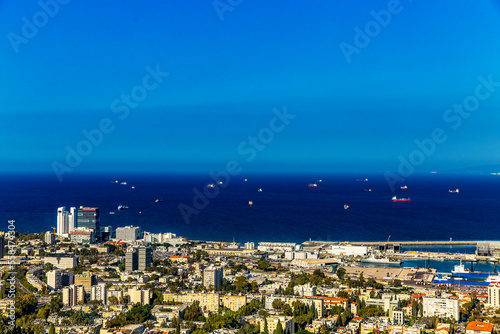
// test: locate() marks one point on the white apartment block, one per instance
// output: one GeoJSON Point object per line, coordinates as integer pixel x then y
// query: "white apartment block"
{"type": "Point", "coordinates": [61, 262]}
{"type": "Point", "coordinates": [98, 292]}
{"type": "Point", "coordinates": [128, 233]}
{"type": "Point", "coordinates": [494, 295]}
{"type": "Point", "coordinates": [159, 238]}
{"type": "Point", "coordinates": [307, 290]}
{"type": "Point", "coordinates": [441, 307]}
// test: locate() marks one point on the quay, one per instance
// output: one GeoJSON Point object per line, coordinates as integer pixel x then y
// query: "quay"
{"type": "Point", "coordinates": [402, 243]}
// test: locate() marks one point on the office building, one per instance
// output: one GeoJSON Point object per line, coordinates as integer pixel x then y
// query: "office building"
{"type": "Point", "coordinates": [441, 307]}
{"type": "Point", "coordinates": [57, 279]}
{"type": "Point", "coordinates": [131, 260]}
{"type": "Point", "coordinates": [86, 279]}
{"type": "Point", "coordinates": [145, 256]}
{"type": "Point", "coordinates": [65, 221]}
{"type": "Point", "coordinates": [82, 235]}
{"type": "Point", "coordinates": [2, 246]}
{"type": "Point", "coordinates": [99, 292]}
{"type": "Point", "coordinates": [212, 276]}
{"type": "Point", "coordinates": [107, 233]}
{"type": "Point", "coordinates": [89, 218]}
{"type": "Point", "coordinates": [128, 233]}
{"type": "Point", "coordinates": [138, 258]}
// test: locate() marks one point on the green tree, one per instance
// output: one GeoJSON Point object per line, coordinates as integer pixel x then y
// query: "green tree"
{"type": "Point", "coordinates": [266, 329]}
{"type": "Point", "coordinates": [48, 267]}
{"type": "Point", "coordinates": [241, 284]}
{"type": "Point", "coordinates": [396, 283]}
{"type": "Point", "coordinates": [52, 329]}
{"type": "Point", "coordinates": [264, 265]}
{"type": "Point", "coordinates": [279, 328]}
{"type": "Point", "coordinates": [341, 273]}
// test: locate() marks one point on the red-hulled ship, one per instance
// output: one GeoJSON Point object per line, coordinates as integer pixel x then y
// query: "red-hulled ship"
{"type": "Point", "coordinates": [312, 185]}
{"type": "Point", "coordinates": [395, 199]}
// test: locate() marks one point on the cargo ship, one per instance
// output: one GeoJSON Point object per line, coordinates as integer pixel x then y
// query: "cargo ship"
{"type": "Point", "coordinates": [381, 260]}
{"type": "Point", "coordinates": [404, 187]}
{"type": "Point", "coordinates": [395, 199]}
{"type": "Point", "coordinates": [122, 207]}
{"type": "Point", "coordinates": [461, 272]}
{"type": "Point", "coordinates": [312, 185]}
{"type": "Point", "coordinates": [453, 191]}
{"type": "Point", "coordinates": [462, 276]}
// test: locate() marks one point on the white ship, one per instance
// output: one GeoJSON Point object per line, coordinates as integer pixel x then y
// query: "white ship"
{"type": "Point", "coordinates": [381, 260]}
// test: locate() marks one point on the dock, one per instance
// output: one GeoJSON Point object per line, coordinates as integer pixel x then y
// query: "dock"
{"type": "Point", "coordinates": [402, 243]}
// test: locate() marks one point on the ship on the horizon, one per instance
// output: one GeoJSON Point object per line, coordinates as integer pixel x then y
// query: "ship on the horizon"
{"type": "Point", "coordinates": [404, 187]}
{"type": "Point", "coordinates": [312, 185]}
{"type": "Point", "coordinates": [453, 190]}
{"type": "Point", "coordinates": [395, 199]}
{"type": "Point", "coordinates": [122, 207]}
{"type": "Point", "coordinates": [381, 260]}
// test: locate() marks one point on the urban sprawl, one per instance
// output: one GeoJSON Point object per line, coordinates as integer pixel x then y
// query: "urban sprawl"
{"type": "Point", "coordinates": [86, 278]}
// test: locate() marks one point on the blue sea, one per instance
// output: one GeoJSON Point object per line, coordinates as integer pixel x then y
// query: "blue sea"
{"type": "Point", "coordinates": [286, 210]}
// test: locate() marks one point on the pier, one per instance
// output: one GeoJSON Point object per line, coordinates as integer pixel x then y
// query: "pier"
{"type": "Point", "coordinates": [402, 243]}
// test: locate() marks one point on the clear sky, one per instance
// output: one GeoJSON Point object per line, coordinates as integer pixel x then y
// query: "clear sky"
{"type": "Point", "coordinates": [359, 100]}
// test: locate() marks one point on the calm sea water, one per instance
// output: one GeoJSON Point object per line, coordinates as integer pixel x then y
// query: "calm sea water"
{"type": "Point", "coordinates": [286, 209]}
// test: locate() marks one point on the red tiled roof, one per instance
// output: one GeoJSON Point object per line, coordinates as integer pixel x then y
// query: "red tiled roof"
{"type": "Point", "coordinates": [479, 326]}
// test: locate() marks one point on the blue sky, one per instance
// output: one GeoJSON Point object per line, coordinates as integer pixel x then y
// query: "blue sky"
{"type": "Point", "coordinates": [226, 76]}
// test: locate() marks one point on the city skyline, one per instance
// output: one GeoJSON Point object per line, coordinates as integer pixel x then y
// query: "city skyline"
{"type": "Point", "coordinates": [316, 87]}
